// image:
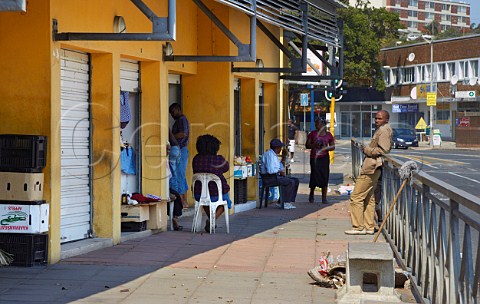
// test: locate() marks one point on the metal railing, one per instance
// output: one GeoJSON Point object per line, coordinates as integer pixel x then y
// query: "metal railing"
{"type": "Point", "coordinates": [434, 231]}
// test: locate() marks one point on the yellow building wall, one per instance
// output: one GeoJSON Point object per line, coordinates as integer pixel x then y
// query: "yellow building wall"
{"type": "Point", "coordinates": [30, 75]}
{"type": "Point", "coordinates": [25, 84]}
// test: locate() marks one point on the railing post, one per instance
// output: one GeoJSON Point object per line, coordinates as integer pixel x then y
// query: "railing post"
{"type": "Point", "coordinates": [453, 253]}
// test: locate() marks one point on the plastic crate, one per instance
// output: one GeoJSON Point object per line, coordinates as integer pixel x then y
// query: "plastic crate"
{"type": "Point", "coordinates": [240, 195]}
{"type": "Point", "coordinates": [27, 249]}
{"type": "Point", "coordinates": [13, 202]}
{"type": "Point", "coordinates": [22, 153]}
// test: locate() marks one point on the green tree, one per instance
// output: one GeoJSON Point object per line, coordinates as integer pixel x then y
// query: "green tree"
{"type": "Point", "coordinates": [366, 31]}
{"type": "Point", "coordinates": [432, 28]}
{"type": "Point", "coordinates": [449, 33]}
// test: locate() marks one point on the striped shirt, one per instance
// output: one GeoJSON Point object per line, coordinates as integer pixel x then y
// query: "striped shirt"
{"type": "Point", "coordinates": [215, 164]}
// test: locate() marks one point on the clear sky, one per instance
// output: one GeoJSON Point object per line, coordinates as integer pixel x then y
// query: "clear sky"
{"type": "Point", "coordinates": [474, 10]}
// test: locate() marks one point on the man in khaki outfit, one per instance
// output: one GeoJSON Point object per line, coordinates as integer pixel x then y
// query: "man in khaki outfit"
{"type": "Point", "coordinates": [362, 200]}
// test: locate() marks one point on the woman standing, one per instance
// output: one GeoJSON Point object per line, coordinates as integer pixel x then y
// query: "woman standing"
{"type": "Point", "coordinates": [320, 141]}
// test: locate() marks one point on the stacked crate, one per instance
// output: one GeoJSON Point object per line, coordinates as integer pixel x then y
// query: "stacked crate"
{"type": "Point", "coordinates": [23, 213]}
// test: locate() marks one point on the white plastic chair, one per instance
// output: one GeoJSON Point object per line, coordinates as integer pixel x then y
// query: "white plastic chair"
{"type": "Point", "coordinates": [204, 179]}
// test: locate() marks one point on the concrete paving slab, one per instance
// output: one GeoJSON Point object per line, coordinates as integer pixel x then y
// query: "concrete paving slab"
{"type": "Point", "coordinates": [263, 260]}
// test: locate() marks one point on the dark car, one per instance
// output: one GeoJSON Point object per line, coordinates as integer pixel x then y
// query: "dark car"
{"type": "Point", "coordinates": [404, 138]}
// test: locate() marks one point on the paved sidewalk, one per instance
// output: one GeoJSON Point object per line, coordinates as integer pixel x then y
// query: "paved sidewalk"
{"type": "Point", "coordinates": [264, 259]}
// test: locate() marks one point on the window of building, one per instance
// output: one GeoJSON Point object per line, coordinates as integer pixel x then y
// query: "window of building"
{"type": "Point", "coordinates": [441, 71]}
{"type": "Point", "coordinates": [446, 17]}
{"type": "Point", "coordinates": [432, 5]}
{"type": "Point", "coordinates": [386, 76]}
{"type": "Point", "coordinates": [443, 115]}
{"type": "Point", "coordinates": [421, 70]}
{"type": "Point", "coordinates": [394, 75]}
{"type": "Point", "coordinates": [412, 2]}
{"type": "Point", "coordinates": [412, 24]}
{"type": "Point", "coordinates": [461, 9]}
{"type": "Point", "coordinates": [450, 70]}
{"type": "Point", "coordinates": [429, 73]}
{"type": "Point", "coordinates": [429, 16]}
{"type": "Point", "coordinates": [474, 68]}
{"type": "Point", "coordinates": [463, 69]}
{"type": "Point", "coordinates": [445, 7]}
{"type": "Point", "coordinates": [412, 13]}
{"type": "Point", "coordinates": [408, 75]}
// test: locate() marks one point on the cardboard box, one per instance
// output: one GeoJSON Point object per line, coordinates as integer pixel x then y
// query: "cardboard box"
{"type": "Point", "coordinates": [240, 171]}
{"type": "Point", "coordinates": [250, 170]}
{"type": "Point", "coordinates": [23, 218]}
{"type": "Point", "coordinates": [135, 213]}
{"type": "Point", "coordinates": [21, 186]}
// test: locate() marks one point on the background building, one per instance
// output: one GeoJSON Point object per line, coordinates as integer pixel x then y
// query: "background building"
{"type": "Point", "coordinates": [416, 14]}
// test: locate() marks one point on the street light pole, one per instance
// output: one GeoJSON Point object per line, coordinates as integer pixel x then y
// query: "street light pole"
{"type": "Point", "coordinates": [432, 117]}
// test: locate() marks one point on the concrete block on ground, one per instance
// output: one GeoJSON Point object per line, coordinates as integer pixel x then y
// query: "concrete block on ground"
{"type": "Point", "coordinates": [367, 260]}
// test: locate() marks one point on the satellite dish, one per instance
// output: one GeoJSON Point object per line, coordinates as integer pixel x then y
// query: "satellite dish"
{"type": "Point", "coordinates": [413, 93]}
{"type": "Point", "coordinates": [454, 80]}
{"type": "Point", "coordinates": [411, 57]}
{"type": "Point", "coordinates": [473, 81]}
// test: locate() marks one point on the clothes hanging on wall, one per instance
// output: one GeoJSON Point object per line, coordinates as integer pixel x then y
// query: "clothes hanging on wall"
{"type": "Point", "coordinates": [125, 114]}
{"type": "Point", "coordinates": [127, 160]}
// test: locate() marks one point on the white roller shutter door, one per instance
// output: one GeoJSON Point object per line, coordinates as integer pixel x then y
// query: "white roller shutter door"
{"type": "Point", "coordinates": [76, 206]}
{"type": "Point", "coordinates": [129, 75]}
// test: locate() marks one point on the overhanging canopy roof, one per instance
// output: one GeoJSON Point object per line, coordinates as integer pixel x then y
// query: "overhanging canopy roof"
{"type": "Point", "coordinates": [13, 5]}
{"type": "Point", "coordinates": [288, 14]}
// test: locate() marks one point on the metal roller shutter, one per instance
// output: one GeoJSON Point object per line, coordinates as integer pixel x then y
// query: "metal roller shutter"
{"type": "Point", "coordinates": [76, 206]}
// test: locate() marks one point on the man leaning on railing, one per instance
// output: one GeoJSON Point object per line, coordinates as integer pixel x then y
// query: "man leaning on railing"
{"type": "Point", "coordinates": [362, 200]}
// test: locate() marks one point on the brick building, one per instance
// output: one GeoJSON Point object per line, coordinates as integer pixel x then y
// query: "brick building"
{"type": "Point", "coordinates": [407, 73]}
{"type": "Point", "coordinates": [416, 14]}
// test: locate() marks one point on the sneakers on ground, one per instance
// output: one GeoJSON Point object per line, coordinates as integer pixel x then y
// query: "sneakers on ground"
{"type": "Point", "coordinates": [288, 206]}
{"type": "Point", "coordinates": [356, 232]}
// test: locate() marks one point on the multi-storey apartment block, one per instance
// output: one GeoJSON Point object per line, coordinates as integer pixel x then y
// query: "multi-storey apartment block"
{"type": "Point", "coordinates": [417, 14]}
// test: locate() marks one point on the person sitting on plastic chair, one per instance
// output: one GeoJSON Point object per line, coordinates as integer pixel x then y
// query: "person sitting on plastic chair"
{"type": "Point", "coordinates": [272, 165]}
{"type": "Point", "coordinates": [207, 161]}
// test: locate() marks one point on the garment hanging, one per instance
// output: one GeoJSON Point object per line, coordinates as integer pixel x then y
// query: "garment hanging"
{"type": "Point", "coordinates": [127, 160]}
{"type": "Point", "coordinates": [125, 114]}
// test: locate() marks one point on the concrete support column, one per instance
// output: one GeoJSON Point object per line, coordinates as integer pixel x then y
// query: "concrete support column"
{"type": "Point", "coordinates": [105, 96]}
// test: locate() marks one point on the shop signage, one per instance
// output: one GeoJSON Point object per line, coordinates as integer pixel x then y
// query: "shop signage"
{"type": "Point", "coordinates": [463, 122]}
{"type": "Point", "coordinates": [405, 108]}
{"type": "Point", "coordinates": [423, 89]}
{"type": "Point", "coordinates": [304, 99]}
{"type": "Point", "coordinates": [437, 140]}
{"type": "Point", "coordinates": [465, 94]}
{"type": "Point", "coordinates": [431, 99]}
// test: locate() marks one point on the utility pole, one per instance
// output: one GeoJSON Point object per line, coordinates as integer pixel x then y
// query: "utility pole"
{"type": "Point", "coordinates": [432, 117]}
